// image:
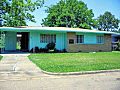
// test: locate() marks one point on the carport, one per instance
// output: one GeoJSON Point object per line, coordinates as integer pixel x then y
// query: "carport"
{"type": "Point", "coordinates": [8, 39]}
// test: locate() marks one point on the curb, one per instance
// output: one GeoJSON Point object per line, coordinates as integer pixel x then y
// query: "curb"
{"type": "Point", "coordinates": [82, 72]}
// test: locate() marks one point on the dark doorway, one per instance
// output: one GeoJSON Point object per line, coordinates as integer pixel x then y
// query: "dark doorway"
{"type": "Point", "coordinates": [25, 41]}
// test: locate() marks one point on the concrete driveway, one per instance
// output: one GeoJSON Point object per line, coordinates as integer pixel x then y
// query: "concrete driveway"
{"type": "Point", "coordinates": [18, 67]}
{"type": "Point", "coordinates": [18, 73]}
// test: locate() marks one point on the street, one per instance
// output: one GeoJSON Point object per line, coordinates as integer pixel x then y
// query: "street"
{"type": "Point", "coordinates": [102, 81]}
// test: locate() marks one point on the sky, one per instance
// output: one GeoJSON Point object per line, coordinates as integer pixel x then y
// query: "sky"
{"type": "Point", "coordinates": [98, 7]}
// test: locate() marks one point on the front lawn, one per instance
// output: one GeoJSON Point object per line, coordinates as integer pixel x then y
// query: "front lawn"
{"type": "Point", "coordinates": [75, 62]}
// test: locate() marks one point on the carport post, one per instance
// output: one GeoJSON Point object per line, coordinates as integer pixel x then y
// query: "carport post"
{"type": "Point", "coordinates": [2, 41]}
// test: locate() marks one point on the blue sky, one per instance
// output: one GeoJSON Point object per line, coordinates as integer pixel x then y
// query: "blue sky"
{"type": "Point", "coordinates": [98, 7]}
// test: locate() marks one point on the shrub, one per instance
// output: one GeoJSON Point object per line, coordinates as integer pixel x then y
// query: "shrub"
{"type": "Point", "coordinates": [100, 50]}
{"type": "Point", "coordinates": [64, 50]}
{"type": "Point", "coordinates": [50, 46]}
{"type": "Point", "coordinates": [50, 49]}
{"type": "Point", "coordinates": [56, 50]}
{"type": "Point", "coordinates": [36, 50]}
{"type": "Point", "coordinates": [44, 50]}
{"type": "Point", "coordinates": [59, 51]}
{"type": "Point", "coordinates": [31, 51]}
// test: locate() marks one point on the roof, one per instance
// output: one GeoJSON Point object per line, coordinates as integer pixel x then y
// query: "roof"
{"type": "Point", "coordinates": [54, 29]}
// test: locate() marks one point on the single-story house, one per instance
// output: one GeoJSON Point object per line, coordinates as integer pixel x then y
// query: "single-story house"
{"type": "Point", "coordinates": [71, 39]}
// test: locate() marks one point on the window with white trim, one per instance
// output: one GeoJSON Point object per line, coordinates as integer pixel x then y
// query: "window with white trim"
{"type": "Point", "coordinates": [80, 39]}
{"type": "Point", "coordinates": [100, 39]}
{"type": "Point", "coordinates": [47, 38]}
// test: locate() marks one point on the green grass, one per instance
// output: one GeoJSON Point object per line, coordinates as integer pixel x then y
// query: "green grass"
{"type": "Point", "coordinates": [75, 62]}
{"type": "Point", "coordinates": [0, 57]}
{"type": "Point", "coordinates": [18, 46]}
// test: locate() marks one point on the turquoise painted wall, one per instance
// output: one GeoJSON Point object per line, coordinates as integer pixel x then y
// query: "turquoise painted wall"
{"type": "Point", "coordinates": [89, 38]}
{"type": "Point", "coordinates": [35, 40]}
{"type": "Point", "coordinates": [10, 40]}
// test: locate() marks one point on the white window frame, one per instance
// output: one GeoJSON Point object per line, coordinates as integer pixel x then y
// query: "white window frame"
{"type": "Point", "coordinates": [80, 39]}
{"type": "Point", "coordinates": [100, 39]}
{"type": "Point", "coordinates": [47, 38]}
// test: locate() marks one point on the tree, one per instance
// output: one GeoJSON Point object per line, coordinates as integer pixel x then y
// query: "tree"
{"type": "Point", "coordinates": [1, 12]}
{"type": "Point", "coordinates": [69, 13]}
{"type": "Point", "coordinates": [17, 12]}
{"type": "Point", "coordinates": [3, 4]}
{"type": "Point", "coordinates": [107, 22]}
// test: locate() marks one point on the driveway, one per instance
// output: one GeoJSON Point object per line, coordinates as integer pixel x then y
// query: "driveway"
{"type": "Point", "coordinates": [18, 67]}
{"type": "Point", "coordinates": [18, 73]}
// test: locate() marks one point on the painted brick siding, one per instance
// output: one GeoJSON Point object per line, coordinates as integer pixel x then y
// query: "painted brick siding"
{"type": "Point", "coordinates": [88, 47]}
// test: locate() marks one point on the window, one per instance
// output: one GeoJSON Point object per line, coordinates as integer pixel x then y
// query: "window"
{"type": "Point", "coordinates": [100, 39]}
{"type": "Point", "coordinates": [47, 38]}
{"type": "Point", "coordinates": [80, 38]}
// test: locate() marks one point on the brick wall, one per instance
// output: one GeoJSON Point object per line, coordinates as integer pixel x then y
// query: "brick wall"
{"type": "Point", "coordinates": [88, 47]}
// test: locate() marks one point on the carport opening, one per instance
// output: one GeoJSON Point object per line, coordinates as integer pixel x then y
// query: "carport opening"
{"type": "Point", "coordinates": [22, 41]}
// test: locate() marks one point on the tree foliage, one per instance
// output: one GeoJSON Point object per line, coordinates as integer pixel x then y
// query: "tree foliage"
{"type": "Point", "coordinates": [3, 5]}
{"type": "Point", "coordinates": [108, 22]}
{"type": "Point", "coordinates": [17, 12]}
{"type": "Point", "coordinates": [69, 13]}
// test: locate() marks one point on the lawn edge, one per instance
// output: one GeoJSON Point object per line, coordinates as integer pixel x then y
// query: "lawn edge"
{"type": "Point", "coordinates": [81, 72]}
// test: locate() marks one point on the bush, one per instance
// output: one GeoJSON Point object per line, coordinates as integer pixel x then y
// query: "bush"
{"type": "Point", "coordinates": [64, 50]}
{"type": "Point", "coordinates": [36, 49]}
{"type": "Point", "coordinates": [50, 46]}
{"type": "Point", "coordinates": [31, 51]}
{"type": "Point", "coordinates": [43, 50]}
{"type": "Point", "coordinates": [56, 50]}
{"type": "Point", "coordinates": [59, 51]}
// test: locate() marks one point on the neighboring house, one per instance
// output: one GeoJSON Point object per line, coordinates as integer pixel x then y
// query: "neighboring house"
{"type": "Point", "coordinates": [71, 39]}
{"type": "Point", "coordinates": [115, 41]}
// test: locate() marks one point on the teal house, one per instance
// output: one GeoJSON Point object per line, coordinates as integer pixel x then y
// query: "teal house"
{"type": "Point", "coordinates": [71, 39]}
